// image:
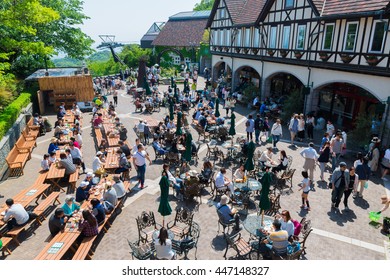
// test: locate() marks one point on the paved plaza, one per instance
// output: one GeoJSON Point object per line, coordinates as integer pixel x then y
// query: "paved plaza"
{"type": "Point", "coordinates": [336, 236]}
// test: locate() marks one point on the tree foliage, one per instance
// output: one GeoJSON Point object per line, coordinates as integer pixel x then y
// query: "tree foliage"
{"type": "Point", "coordinates": [204, 5]}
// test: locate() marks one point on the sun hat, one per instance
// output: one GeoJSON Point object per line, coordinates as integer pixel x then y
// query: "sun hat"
{"type": "Point", "coordinates": [193, 173]}
{"type": "Point", "coordinates": [224, 200]}
{"type": "Point", "coordinates": [99, 153]}
{"type": "Point", "coordinates": [90, 174]}
{"type": "Point", "coordinates": [84, 184]}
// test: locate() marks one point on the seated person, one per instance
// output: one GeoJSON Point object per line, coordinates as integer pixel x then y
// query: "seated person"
{"type": "Point", "coordinates": [110, 195]}
{"type": "Point", "coordinates": [202, 121]}
{"type": "Point", "coordinates": [119, 187]}
{"type": "Point", "coordinates": [266, 156]}
{"type": "Point", "coordinates": [287, 223]}
{"type": "Point", "coordinates": [89, 225]}
{"type": "Point", "coordinates": [171, 125]}
{"type": "Point", "coordinates": [277, 241]}
{"type": "Point", "coordinates": [158, 147]}
{"type": "Point", "coordinates": [98, 211]}
{"type": "Point", "coordinates": [223, 182]}
{"type": "Point", "coordinates": [15, 215]}
{"type": "Point", "coordinates": [239, 174]}
{"type": "Point", "coordinates": [206, 172]}
{"type": "Point", "coordinates": [184, 168]}
{"type": "Point", "coordinates": [138, 104]}
{"type": "Point", "coordinates": [125, 148]}
{"type": "Point", "coordinates": [228, 214]}
{"type": "Point", "coordinates": [70, 206]}
{"type": "Point", "coordinates": [57, 221]}
{"type": "Point", "coordinates": [98, 120]}
{"type": "Point", "coordinates": [124, 164]}
{"type": "Point", "coordinates": [67, 163]}
{"type": "Point", "coordinates": [82, 192]}
{"type": "Point", "coordinates": [163, 246]}
{"type": "Point", "coordinates": [53, 146]}
{"type": "Point", "coordinates": [176, 182]}
{"type": "Point", "coordinates": [283, 162]}
{"type": "Point", "coordinates": [45, 163]}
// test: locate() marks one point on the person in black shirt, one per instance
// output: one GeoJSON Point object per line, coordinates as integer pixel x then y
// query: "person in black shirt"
{"type": "Point", "coordinates": [57, 221]}
{"type": "Point", "coordinates": [258, 127]}
{"type": "Point", "coordinates": [352, 186]}
{"type": "Point", "coordinates": [125, 149]}
{"type": "Point", "coordinates": [98, 211]}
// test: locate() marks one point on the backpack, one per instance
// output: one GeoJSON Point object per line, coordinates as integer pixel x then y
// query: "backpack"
{"type": "Point", "coordinates": [369, 155]}
{"type": "Point", "coordinates": [247, 124]}
{"type": "Point", "coordinates": [297, 227]}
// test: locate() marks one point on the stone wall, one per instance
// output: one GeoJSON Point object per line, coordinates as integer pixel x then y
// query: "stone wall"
{"type": "Point", "coordinates": [13, 134]}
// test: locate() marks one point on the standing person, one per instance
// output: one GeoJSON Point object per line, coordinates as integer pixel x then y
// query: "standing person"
{"type": "Point", "coordinates": [258, 127]}
{"type": "Point", "coordinates": [340, 181]}
{"type": "Point", "coordinates": [139, 160]}
{"type": "Point", "coordinates": [363, 171]}
{"type": "Point", "coordinates": [305, 186]}
{"type": "Point", "coordinates": [310, 127]}
{"type": "Point", "coordinates": [385, 164]}
{"type": "Point", "coordinates": [141, 130]}
{"type": "Point", "coordinates": [352, 186]}
{"type": "Point", "coordinates": [344, 148]}
{"type": "Point", "coordinates": [301, 127]}
{"type": "Point", "coordinates": [310, 155]}
{"type": "Point", "coordinates": [323, 159]}
{"type": "Point", "coordinates": [266, 128]}
{"type": "Point", "coordinates": [15, 215]}
{"type": "Point", "coordinates": [293, 127]}
{"type": "Point", "coordinates": [276, 132]}
{"type": "Point", "coordinates": [373, 157]}
{"type": "Point", "coordinates": [227, 106]}
{"type": "Point", "coordinates": [336, 147]}
{"type": "Point", "coordinates": [324, 139]}
{"type": "Point", "coordinates": [359, 160]}
{"type": "Point", "coordinates": [330, 128]}
{"type": "Point", "coordinates": [115, 96]}
{"type": "Point", "coordinates": [250, 128]}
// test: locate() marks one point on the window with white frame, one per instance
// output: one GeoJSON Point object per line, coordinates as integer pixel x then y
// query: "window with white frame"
{"type": "Point", "coordinates": [328, 37]}
{"type": "Point", "coordinates": [222, 13]}
{"type": "Point", "coordinates": [221, 37]}
{"type": "Point", "coordinates": [247, 37]}
{"type": "Point", "coordinates": [216, 37]}
{"type": "Point", "coordinates": [176, 59]}
{"type": "Point", "coordinates": [256, 38]}
{"type": "Point", "coordinates": [286, 37]}
{"type": "Point", "coordinates": [289, 4]}
{"type": "Point", "coordinates": [350, 36]}
{"type": "Point", "coordinates": [378, 36]}
{"type": "Point", "coordinates": [228, 38]}
{"type": "Point", "coordinates": [301, 37]}
{"type": "Point", "coordinates": [187, 59]}
{"type": "Point", "coordinates": [272, 37]}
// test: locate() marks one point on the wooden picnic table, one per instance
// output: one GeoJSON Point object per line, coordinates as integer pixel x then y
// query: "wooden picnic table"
{"type": "Point", "coordinates": [34, 192]}
{"type": "Point", "coordinates": [113, 141]}
{"type": "Point", "coordinates": [59, 245]}
{"type": "Point", "coordinates": [55, 174]}
{"type": "Point", "coordinates": [151, 122]}
{"type": "Point", "coordinates": [112, 161]}
{"type": "Point", "coordinates": [108, 127]}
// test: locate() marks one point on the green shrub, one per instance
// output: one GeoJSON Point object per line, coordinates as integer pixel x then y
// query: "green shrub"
{"type": "Point", "coordinates": [11, 112]}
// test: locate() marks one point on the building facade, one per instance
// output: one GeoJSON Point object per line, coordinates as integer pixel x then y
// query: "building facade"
{"type": "Point", "coordinates": [335, 52]}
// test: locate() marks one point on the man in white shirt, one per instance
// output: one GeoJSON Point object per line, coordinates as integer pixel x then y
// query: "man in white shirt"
{"type": "Point", "coordinates": [139, 160]}
{"type": "Point", "coordinates": [141, 130]}
{"type": "Point", "coordinates": [77, 157]}
{"type": "Point", "coordinates": [310, 155]}
{"type": "Point", "coordinates": [223, 182]}
{"type": "Point", "coordinates": [15, 215]}
{"type": "Point", "coordinates": [78, 137]}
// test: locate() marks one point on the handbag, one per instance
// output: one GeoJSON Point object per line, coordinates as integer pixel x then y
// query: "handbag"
{"type": "Point", "coordinates": [269, 140]}
{"type": "Point", "coordinates": [100, 171]}
{"type": "Point", "coordinates": [330, 183]}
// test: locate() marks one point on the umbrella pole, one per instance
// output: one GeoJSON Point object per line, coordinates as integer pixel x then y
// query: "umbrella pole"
{"type": "Point", "coordinates": [262, 218]}
{"type": "Point", "coordinates": [163, 221]}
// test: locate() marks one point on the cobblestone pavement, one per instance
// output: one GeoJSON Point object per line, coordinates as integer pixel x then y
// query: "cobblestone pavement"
{"type": "Point", "coordinates": [336, 236]}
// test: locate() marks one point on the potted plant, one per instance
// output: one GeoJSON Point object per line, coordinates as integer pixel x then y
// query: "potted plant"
{"type": "Point", "coordinates": [283, 53]}
{"type": "Point", "coordinates": [298, 54]}
{"type": "Point", "coordinates": [226, 49]}
{"type": "Point", "coordinates": [255, 51]}
{"type": "Point", "coordinates": [346, 58]}
{"type": "Point", "coordinates": [323, 56]}
{"type": "Point", "coordinates": [238, 50]}
{"type": "Point", "coordinates": [271, 52]}
{"type": "Point", "coordinates": [372, 60]}
{"type": "Point", "coordinates": [246, 50]}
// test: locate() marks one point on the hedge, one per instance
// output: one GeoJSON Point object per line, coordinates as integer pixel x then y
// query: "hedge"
{"type": "Point", "coordinates": [12, 111]}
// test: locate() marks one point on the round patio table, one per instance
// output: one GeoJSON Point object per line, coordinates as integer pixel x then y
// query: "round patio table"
{"type": "Point", "coordinates": [249, 185]}
{"type": "Point", "coordinates": [252, 224]}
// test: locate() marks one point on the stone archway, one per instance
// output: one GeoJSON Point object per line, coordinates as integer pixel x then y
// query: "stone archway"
{"type": "Point", "coordinates": [280, 84]}
{"type": "Point", "coordinates": [170, 50]}
{"type": "Point", "coordinates": [245, 76]}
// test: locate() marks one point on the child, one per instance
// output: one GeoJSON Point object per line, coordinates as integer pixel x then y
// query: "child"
{"type": "Point", "coordinates": [45, 162]}
{"type": "Point", "coordinates": [305, 185]}
{"type": "Point", "coordinates": [52, 157]}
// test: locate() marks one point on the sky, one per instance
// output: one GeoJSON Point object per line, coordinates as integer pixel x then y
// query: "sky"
{"type": "Point", "coordinates": [129, 20]}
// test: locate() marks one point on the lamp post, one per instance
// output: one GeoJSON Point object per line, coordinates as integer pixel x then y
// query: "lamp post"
{"type": "Point", "coordinates": [384, 126]}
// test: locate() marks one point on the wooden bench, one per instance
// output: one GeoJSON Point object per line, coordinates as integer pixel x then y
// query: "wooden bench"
{"type": "Point", "coordinates": [16, 161]}
{"type": "Point", "coordinates": [30, 134]}
{"type": "Point", "coordinates": [41, 177]}
{"type": "Point", "coordinates": [41, 208]}
{"type": "Point", "coordinates": [31, 126]}
{"type": "Point", "coordinates": [85, 249]}
{"type": "Point", "coordinates": [73, 180]}
{"type": "Point", "coordinates": [98, 136]}
{"type": "Point", "coordinates": [6, 241]}
{"type": "Point", "coordinates": [25, 146]}
{"type": "Point", "coordinates": [14, 233]}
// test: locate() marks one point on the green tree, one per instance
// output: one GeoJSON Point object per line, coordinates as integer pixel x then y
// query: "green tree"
{"type": "Point", "coordinates": [204, 5]}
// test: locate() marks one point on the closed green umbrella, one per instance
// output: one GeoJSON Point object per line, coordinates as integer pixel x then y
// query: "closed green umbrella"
{"type": "Point", "coordinates": [188, 152]}
{"type": "Point", "coordinates": [146, 87]}
{"type": "Point", "coordinates": [171, 117]}
{"type": "Point", "coordinates": [264, 199]}
{"type": "Point", "coordinates": [171, 82]}
{"type": "Point", "coordinates": [164, 208]}
{"type": "Point", "coordinates": [175, 95]}
{"type": "Point", "coordinates": [249, 162]}
{"type": "Point", "coordinates": [232, 130]}
{"type": "Point", "coordinates": [217, 114]}
{"type": "Point", "coordinates": [179, 116]}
